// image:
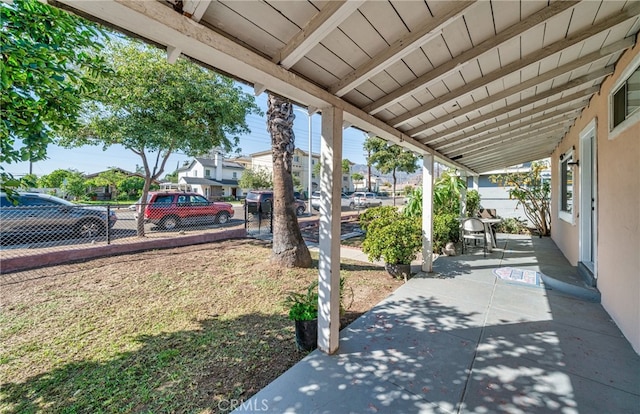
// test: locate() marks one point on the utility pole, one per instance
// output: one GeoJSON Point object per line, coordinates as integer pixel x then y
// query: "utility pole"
{"type": "Point", "coordinates": [369, 170]}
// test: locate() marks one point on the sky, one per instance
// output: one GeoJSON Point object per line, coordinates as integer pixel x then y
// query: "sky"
{"type": "Point", "coordinates": [92, 159]}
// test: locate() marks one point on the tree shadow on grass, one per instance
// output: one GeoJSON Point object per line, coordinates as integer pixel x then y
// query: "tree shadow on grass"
{"type": "Point", "coordinates": [184, 371]}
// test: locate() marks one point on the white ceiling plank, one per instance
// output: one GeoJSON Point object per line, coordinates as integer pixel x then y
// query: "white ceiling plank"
{"type": "Point", "coordinates": [493, 142]}
{"type": "Point", "coordinates": [436, 139]}
{"type": "Point", "coordinates": [547, 54]}
{"type": "Point", "coordinates": [523, 103]}
{"type": "Point", "coordinates": [327, 20]}
{"type": "Point", "coordinates": [546, 126]}
{"type": "Point", "coordinates": [585, 60]}
{"type": "Point", "coordinates": [464, 58]}
{"type": "Point", "coordinates": [480, 24]}
{"type": "Point", "coordinates": [400, 48]}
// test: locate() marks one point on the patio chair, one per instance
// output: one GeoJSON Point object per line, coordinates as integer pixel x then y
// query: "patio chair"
{"type": "Point", "coordinates": [473, 229]}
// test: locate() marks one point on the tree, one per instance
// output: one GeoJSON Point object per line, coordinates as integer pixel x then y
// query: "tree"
{"type": "Point", "coordinates": [74, 184]}
{"type": "Point", "coordinates": [110, 179]}
{"type": "Point", "coordinates": [172, 177]}
{"type": "Point", "coordinates": [390, 158]}
{"type": "Point", "coordinates": [532, 193]}
{"type": "Point", "coordinates": [256, 178]}
{"type": "Point", "coordinates": [55, 178]}
{"type": "Point", "coordinates": [48, 65]}
{"type": "Point", "coordinates": [131, 186]}
{"type": "Point", "coordinates": [447, 192]}
{"type": "Point", "coordinates": [357, 177]}
{"type": "Point", "coordinates": [154, 108]}
{"type": "Point", "coordinates": [289, 248]}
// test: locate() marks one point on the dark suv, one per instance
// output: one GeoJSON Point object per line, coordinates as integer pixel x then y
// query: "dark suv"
{"type": "Point", "coordinates": [37, 217]}
{"type": "Point", "coordinates": [262, 201]}
{"type": "Point", "coordinates": [171, 209]}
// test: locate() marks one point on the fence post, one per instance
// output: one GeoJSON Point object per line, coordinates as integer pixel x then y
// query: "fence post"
{"type": "Point", "coordinates": [108, 226]}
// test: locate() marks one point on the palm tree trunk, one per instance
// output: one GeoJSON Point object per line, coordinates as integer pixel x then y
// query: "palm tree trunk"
{"type": "Point", "coordinates": [289, 248]}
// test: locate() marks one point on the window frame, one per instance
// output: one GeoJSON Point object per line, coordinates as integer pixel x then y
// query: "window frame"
{"type": "Point", "coordinates": [634, 117]}
{"type": "Point", "coordinates": [563, 199]}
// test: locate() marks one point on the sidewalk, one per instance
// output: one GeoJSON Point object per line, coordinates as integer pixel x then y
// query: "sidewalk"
{"type": "Point", "coordinates": [462, 340]}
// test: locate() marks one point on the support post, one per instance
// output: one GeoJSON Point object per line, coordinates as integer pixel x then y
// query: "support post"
{"type": "Point", "coordinates": [463, 195]}
{"type": "Point", "coordinates": [329, 237]}
{"type": "Point", "coordinates": [427, 213]}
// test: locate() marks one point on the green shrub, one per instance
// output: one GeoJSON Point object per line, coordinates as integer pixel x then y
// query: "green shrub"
{"type": "Point", "coordinates": [473, 203]}
{"type": "Point", "coordinates": [395, 241]}
{"type": "Point", "coordinates": [446, 228]}
{"type": "Point", "coordinates": [378, 216]}
{"type": "Point", "coordinates": [512, 226]}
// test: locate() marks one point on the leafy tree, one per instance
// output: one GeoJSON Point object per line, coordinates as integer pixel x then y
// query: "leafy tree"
{"type": "Point", "coordinates": [55, 178]}
{"type": "Point", "coordinates": [447, 191]}
{"type": "Point", "coordinates": [48, 65]}
{"type": "Point", "coordinates": [357, 177]}
{"type": "Point", "coordinates": [532, 193]}
{"type": "Point", "coordinates": [289, 248]}
{"type": "Point", "coordinates": [110, 178]}
{"type": "Point", "coordinates": [154, 108]}
{"type": "Point", "coordinates": [28, 181]}
{"type": "Point", "coordinates": [473, 203]}
{"type": "Point", "coordinates": [171, 177]}
{"type": "Point", "coordinates": [256, 178]}
{"type": "Point", "coordinates": [316, 169]}
{"type": "Point", "coordinates": [132, 186]}
{"type": "Point", "coordinates": [390, 158]}
{"type": "Point", "coordinates": [74, 184]}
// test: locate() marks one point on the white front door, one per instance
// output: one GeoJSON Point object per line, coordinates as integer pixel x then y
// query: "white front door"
{"type": "Point", "coordinates": [588, 198]}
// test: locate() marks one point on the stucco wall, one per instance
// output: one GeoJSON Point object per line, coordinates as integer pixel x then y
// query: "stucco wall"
{"type": "Point", "coordinates": [617, 265]}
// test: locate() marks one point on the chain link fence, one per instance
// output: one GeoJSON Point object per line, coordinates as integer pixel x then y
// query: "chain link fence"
{"type": "Point", "coordinates": [42, 224]}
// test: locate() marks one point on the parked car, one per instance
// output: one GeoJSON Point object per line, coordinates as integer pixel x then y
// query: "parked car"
{"type": "Point", "coordinates": [260, 202]}
{"type": "Point", "coordinates": [37, 217]}
{"type": "Point", "coordinates": [171, 209]}
{"type": "Point", "coordinates": [345, 200]}
{"type": "Point", "coordinates": [363, 199]}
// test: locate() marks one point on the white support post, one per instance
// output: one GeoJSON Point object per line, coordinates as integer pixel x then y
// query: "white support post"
{"type": "Point", "coordinates": [427, 213]}
{"type": "Point", "coordinates": [329, 237]}
{"type": "Point", "coordinates": [475, 182]}
{"type": "Point", "coordinates": [463, 196]}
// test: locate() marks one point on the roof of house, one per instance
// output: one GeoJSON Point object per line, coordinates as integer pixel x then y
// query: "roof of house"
{"type": "Point", "coordinates": [208, 181]}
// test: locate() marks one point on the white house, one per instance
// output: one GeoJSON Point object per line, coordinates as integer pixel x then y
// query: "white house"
{"type": "Point", "coordinates": [213, 177]}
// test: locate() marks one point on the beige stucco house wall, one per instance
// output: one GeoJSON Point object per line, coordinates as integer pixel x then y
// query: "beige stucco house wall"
{"type": "Point", "coordinates": [617, 202]}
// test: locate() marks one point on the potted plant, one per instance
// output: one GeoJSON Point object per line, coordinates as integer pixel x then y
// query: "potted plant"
{"type": "Point", "coordinates": [303, 310]}
{"type": "Point", "coordinates": [393, 237]}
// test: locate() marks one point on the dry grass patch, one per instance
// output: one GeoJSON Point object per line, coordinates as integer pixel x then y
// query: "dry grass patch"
{"type": "Point", "coordinates": [174, 330]}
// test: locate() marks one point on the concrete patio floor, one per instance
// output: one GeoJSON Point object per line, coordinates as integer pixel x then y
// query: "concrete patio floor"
{"type": "Point", "coordinates": [461, 340]}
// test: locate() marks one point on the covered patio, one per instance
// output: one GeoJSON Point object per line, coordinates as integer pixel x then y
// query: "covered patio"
{"type": "Point", "coordinates": [462, 340]}
{"type": "Point", "coordinates": [476, 85]}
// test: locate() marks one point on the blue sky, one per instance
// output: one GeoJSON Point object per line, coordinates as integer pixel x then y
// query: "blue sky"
{"type": "Point", "coordinates": [91, 159]}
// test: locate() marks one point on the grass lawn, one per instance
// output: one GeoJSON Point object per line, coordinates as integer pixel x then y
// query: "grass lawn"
{"type": "Point", "coordinates": [180, 330]}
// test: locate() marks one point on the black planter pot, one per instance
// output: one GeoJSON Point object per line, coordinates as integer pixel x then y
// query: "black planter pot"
{"type": "Point", "coordinates": [307, 335]}
{"type": "Point", "coordinates": [399, 271]}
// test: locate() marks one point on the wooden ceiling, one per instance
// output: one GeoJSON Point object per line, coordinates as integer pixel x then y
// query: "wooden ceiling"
{"type": "Point", "coordinates": [483, 85]}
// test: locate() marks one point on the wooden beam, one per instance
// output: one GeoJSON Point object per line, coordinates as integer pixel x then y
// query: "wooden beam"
{"type": "Point", "coordinates": [514, 158]}
{"type": "Point", "coordinates": [399, 49]}
{"type": "Point", "coordinates": [516, 130]}
{"type": "Point", "coordinates": [323, 23]}
{"type": "Point", "coordinates": [509, 120]}
{"type": "Point", "coordinates": [590, 77]}
{"type": "Point", "coordinates": [470, 148]}
{"type": "Point", "coordinates": [195, 9]}
{"type": "Point", "coordinates": [585, 60]}
{"type": "Point", "coordinates": [455, 64]}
